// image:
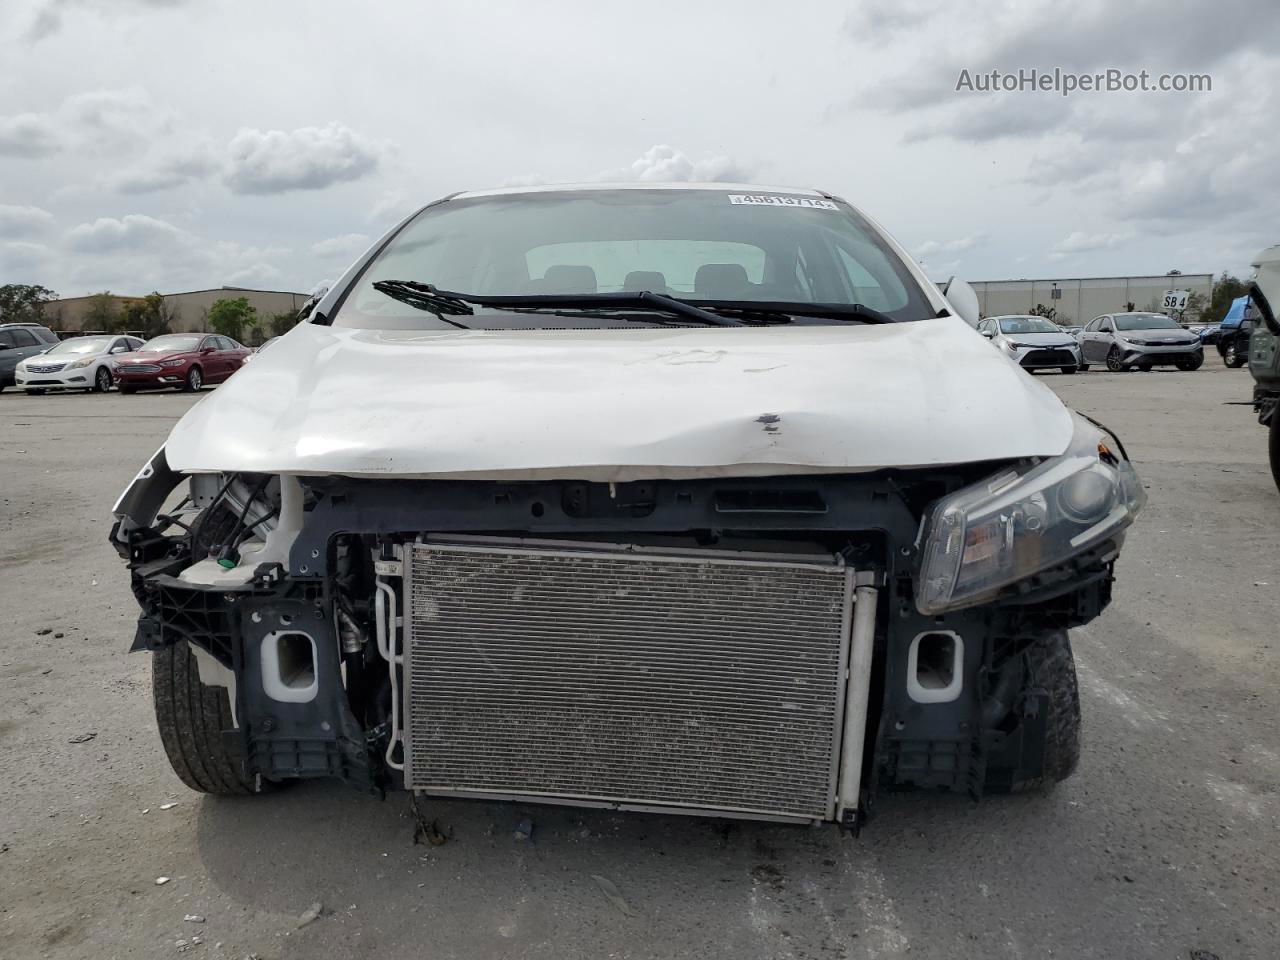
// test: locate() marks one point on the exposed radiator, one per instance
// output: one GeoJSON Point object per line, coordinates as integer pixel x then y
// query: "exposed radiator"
{"type": "Point", "coordinates": [700, 681]}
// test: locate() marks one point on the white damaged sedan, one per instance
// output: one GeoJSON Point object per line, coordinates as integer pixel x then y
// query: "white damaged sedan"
{"type": "Point", "coordinates": [692, 498]}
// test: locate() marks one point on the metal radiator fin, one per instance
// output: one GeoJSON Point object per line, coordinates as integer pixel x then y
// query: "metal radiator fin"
{"type": "Point", "coordinates": [687, 681]}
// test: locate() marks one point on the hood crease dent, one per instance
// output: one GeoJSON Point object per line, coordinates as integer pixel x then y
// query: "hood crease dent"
{"type": "Point", "coordinates": [618, 405]}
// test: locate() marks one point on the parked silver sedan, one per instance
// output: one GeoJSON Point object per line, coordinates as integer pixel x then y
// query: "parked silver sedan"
{"type": "Point", "coordinates": [1034, 342]}
{"type": "Point", "coordinates": [78, 363]}
{"type": "Point", "coordinates": [1144, 340]}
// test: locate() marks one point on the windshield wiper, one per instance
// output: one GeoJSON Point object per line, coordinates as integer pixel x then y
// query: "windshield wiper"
{"type": "Point", "coordinates": [854, 312]}
{"type": "Point", "coordinates": [428, 297]}
{"type": "Point", "coordinates": [425, 297]}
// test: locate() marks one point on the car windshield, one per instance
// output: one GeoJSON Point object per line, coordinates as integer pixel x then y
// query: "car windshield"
{"type": "Point", "coordinates": [169, 344]}
{"type": "Point", "coordinates": [1028, 325]}
{"type": "Point", "coordinates": [83, 345]}
{"type": "Point", "coordinates": [1145, 321]}
{"type": "Point", "coordinates": [692, 244]}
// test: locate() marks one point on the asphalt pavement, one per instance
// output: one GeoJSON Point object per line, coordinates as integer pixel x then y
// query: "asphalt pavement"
{"type": "Point", "coordinates": [1164, 843]}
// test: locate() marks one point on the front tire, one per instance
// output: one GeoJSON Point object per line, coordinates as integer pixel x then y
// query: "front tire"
{"type": "Point", "coordinates": [1273, 446]}
{"type": "Point", "coordinates": [1114, 363]}
{"type": "Point", "coordinates": [127, 390]}
{"type": "Point", "coordinates": [194, 381]}
{"type": "Point", "coordinates": [1050, 669]}
{"type": "Point", "coordinates": [191, 717]}
{"type": "Point", "coordinates": [102, 380]}
{"type": "Point", "coordinates": [1231, 357]}
{"type": "Point", "coordinates": [1191, 364]}
{"type": "Point", "coordinates": [1068, 370]}
{"type": "Point", "coordinates": [1083, 368]}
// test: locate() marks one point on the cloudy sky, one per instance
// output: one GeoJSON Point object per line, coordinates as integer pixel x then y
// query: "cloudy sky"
{"type": "Point", "coordinates": [180, 144]}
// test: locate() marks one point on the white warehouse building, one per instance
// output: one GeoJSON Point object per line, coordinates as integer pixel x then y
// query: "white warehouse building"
{"type": "Point", "coordinates": [1079, 299]}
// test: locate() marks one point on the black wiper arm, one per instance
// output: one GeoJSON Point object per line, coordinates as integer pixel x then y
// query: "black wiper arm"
{"type": "Point", "coordinates": [593, 301]}
{"type": "Point", "coordinates": [425, 297]}
{"type": "Point", "coordinates": [834, 311]}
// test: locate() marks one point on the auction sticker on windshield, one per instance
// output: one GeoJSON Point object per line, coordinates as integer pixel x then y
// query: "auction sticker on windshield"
{"type": "Point", "coordinates": [770, 200]}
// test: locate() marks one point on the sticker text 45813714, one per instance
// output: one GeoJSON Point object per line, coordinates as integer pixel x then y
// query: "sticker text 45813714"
{"type": "Point", "coordinates": [773, 200]}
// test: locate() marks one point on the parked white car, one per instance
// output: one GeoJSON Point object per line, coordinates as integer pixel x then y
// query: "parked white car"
{"type": "Point", "coordinates": [696, 498]}
{"type": "Point", "coordinates": [78, 363]}
{"type": "Point", "coordinates": [1034, 343]}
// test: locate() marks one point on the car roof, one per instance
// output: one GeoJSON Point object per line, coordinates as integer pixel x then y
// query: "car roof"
{"type": "Point", "coordinates": [633, 185]}
{"type": "Point", "coordinates": [23, 323]}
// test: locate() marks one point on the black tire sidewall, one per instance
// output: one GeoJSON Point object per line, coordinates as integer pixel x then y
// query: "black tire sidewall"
{"type": "Point", "coordinates": [1273, 445]}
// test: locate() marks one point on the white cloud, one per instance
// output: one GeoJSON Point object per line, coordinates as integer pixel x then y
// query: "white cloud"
{"type": "Point", "coordinates": [27, 135]}
{"type": "Point", "coordinates": [19, 221]}
{"type": "Point", "coordinates": [166, 171]}
{"type": "Point", "coordinates": [132, 232]}
{"type": "Point", "coordinates": [19, 255]}
{"type": "Point", "coordinates": [138, 252]}
{"type": "Point", "coordinates": [48, 19]}
{"type": "Point", "coordinates": [255, 273]}
{"type": "Point", "coordinates": [663, 163]}
{"type": "Point", "coordinates": [118, 117]}
{"type": "Point", "coordinates": [1080, 242]}
{"type": "Point", "coordinates": [930, 247]}
{"type": "Point", "coordinates": [115, 121]}
{"type": "Point", "coordinates": [343, 245]}
{"type": "Point", "coordinates": [309, 158]}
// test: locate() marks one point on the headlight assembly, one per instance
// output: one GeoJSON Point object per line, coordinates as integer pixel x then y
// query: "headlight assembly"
{"type": "Point", "coordinates": [1024, 520]}
{"type": "Point", "coordinates": [82, 363]}
{"type": "Point", "coordinates": [172, 363]}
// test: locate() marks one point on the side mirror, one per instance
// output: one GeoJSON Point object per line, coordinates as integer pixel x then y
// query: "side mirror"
{"type": "Point", "coordinates": [987, 333]}
{"type": "Point", "coordinates": [208, 349]}
{"type": "Point", "coordinates": [963, 301]}
{"type": "Point", "coordinates": [4, 346]}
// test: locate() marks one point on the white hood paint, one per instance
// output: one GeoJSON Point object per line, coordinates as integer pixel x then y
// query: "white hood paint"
{"type": "Point", "coordinates": [621, 404]}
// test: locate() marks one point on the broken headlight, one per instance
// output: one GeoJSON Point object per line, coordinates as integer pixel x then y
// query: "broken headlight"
{"type": "Point", "coordinates": [1025, 520]}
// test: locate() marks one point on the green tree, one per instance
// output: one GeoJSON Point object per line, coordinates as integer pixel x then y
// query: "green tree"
{"type": "Point", "coordinates": [1197, 303]}
{"type": "Point", "coordinates": [150, 316]}
{"type": "Point", "coordinates": [232, 317]}
{"type": "Point", "coordinates": [1049, 313]}
{"type": "Point", "coordinates": [24, 302]}
{"type": "Point", "coordinates": [278, 324]}
{"type": "Point", "coordinates": [103, 313]}
{"type": "Point", "coordinates": [1226, 289]}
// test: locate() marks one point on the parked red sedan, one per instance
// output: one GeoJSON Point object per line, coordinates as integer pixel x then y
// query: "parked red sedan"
{"type": "Point", "coordinates": [185, 361]}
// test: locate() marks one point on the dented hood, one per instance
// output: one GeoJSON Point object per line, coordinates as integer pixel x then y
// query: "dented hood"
{"type": "Point", "coordinates": [621, 404]}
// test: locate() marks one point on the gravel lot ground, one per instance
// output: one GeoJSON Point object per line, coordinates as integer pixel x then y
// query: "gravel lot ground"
{"type": "Point", "coordinates": [1164, 843]}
